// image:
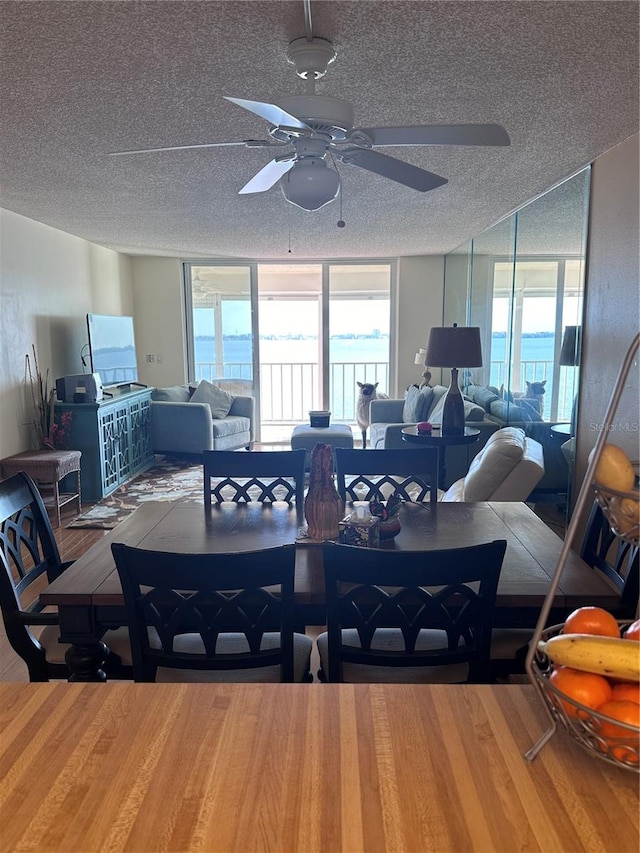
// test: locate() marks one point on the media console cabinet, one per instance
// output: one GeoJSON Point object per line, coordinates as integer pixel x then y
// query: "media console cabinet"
{"type": "Point", "coordinates": [114, 437]}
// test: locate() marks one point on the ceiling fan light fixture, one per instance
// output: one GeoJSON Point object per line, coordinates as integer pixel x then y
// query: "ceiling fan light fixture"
{"type": "Point", "coordinates": [310, 184]}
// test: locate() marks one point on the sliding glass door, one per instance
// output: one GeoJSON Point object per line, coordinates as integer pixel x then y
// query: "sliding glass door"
{"type": "Point", "coordinates": [297, 336]}
{"type": "Point", "coordinates": [290, 334]}
{"type": "Point", "coordinates": [220, 326]}
{"type": "Point", "coordinates": [359, 332]}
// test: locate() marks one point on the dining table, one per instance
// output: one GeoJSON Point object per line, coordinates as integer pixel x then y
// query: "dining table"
{"type": "Point", "coordinates": [299, 768]}
{"type": "Point", "coordinates": [89, 597]}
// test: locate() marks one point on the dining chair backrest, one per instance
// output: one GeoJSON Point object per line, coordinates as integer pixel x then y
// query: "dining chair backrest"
{"type": "Point", "coordinates": [182, 607]}
{"type": "Point", "coordinates": [28, 550]}
{"type": "Point", "coordinates": [253, 475]}
{"type": "Point", "coordinates": [372, 590]}
{"type": "Point", "coordinates": [367, 474]}
{"type": "Point", "coordinates": [616, 558]}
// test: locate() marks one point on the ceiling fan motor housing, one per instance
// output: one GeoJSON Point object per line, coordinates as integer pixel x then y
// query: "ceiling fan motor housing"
{"type": "Point", "coordinates": [322, 113]}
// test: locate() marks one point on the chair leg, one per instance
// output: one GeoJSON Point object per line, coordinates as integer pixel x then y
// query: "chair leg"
{"type": "Point", "coordinates": [56, 500]}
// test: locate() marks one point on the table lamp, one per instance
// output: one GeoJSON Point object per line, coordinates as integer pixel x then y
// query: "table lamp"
{"type": "Point", "coordinates": [454, 346]}
{"type": "Point", "coordinates": [420, 359]}
{"type": "Point", "coordinates": [570, 349]}
{"type": "Point", "coordinates": [570, 357]}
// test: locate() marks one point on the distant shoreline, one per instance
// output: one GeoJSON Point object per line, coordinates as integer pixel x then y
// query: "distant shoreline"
{"type": "Point", "coordinates": [346, 337]}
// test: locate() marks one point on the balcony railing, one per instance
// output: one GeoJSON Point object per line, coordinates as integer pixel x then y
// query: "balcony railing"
{"type": "Point", "coordinates": [538, 371]}
{"type": "Point", "coordinates": [289, 390]}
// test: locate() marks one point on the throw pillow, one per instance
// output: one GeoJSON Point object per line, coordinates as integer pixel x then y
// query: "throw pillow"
{"type": "Point", "coordinates": [508, 412]}
{"type": "Point", "coordinates": [471, 411]}
{"type": "Point", "coordinates": [174, 394]}
{"type": "Point", "coordinates": [411, 405]}
{"type": "Point", "coordinates": [436, 415]}
{"type": "Point", "coordinates": [417, 402]}
{"type": "Point", "coordinates": [426, 400]}
{"type": "Point", "coordinates": [484, 397]}
{"type": "Point", "coordinates": [219, 401]}
{"type": "Point", "coordinates": [531, 410]}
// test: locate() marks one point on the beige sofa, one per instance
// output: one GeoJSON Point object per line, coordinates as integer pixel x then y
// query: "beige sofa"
{"type": "Point", "coordinates": [508, 468]}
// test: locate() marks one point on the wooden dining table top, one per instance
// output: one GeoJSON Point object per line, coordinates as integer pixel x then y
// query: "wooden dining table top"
{"type": "Point", "coordinates": [87, 768]}
{"type": "Point", "coordinates": [530, 559]}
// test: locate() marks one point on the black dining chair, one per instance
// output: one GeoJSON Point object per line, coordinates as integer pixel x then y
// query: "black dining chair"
{"type": "Point", "coordinates": [254, 475]}
{"type": "Point", "coordinates": [398, 616]}
{"type": "Point", "coordinates": [365, 474]}
{"type": "Point", "coordinates": [29, 558]}
{"type": "Point", "coordinates": [615, 558]}
{"type": "Point", "coordinates": [607, 554]}
{"type": "Point", "coordinates": [212, 617]}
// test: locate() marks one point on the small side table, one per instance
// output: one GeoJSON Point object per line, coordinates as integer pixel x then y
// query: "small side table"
{"type": "Point", "coordinates": [47, 468]}
{"type": "Point", "coordinates": [436, 439]}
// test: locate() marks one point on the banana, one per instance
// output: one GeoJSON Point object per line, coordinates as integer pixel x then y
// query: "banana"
{"type": "Point", "coordinates": [607, 656]}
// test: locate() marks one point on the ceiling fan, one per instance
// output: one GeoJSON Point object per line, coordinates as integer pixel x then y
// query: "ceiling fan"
{"type": "Point", "coordinates": [317, 130]}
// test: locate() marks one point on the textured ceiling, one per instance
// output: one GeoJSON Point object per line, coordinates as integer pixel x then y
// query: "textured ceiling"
{"type": "Point", "coordinates": [81, 79]}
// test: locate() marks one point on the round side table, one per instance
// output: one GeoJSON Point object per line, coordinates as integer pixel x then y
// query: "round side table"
{"type": "Point", "coordinates": [436, 439]}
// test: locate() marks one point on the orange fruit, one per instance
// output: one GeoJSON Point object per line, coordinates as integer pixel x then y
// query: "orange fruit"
{"type": "Point", "coordinates": [591, 620]}
{"type": "Point", "coordinates": [633, 631]}
{"type": "Point", "coordinates": [626, 690]}
{"type": "Point", "coordinates": [622, 743]}
{"type": "Point", "coordinates": [587, 688]}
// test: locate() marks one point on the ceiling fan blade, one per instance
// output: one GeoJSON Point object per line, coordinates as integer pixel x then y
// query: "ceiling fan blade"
{"type": "Point", "coordinates": [248, 143]}
{"type": "Point", "coordinates": [271, 113]}
{"type": "Point", "coordinates": [438, 134]}
{"type": "Point", "coordinates": [392, 168]}
{"type": "Point", "coordinates": [268, 176]}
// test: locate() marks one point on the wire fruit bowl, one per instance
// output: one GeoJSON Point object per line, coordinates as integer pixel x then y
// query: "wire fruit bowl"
{"type": "Point", "coordinates": [584, 724]}
{"type": "Point", "coordinates": [622, 510]}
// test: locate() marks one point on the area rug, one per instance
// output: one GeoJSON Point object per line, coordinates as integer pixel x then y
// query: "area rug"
{"type": "Point", "coordinates": [166, 480]}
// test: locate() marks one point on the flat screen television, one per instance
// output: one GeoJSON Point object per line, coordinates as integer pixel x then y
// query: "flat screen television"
{"type": "Point", "coordinates": [112, 349]}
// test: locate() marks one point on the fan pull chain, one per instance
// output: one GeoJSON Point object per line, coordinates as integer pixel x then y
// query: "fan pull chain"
{"type": "Point", "coordinates": [341, 223]}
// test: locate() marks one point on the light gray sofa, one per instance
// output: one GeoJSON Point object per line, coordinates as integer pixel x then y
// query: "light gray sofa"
{"type": "Point", "coordinates": [388, 420]}
{"type": "Point", "coordinates": [180, 426]}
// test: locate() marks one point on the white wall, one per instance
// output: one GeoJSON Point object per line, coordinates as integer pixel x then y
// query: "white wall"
{"type": "Point", "coordinates": [49, 280]}
{"type": "Point", "coordinates": [159, 321]}
{"type": "Point", "coordinates": [420, 306]}
{"type": "Point", "coordinates": [612, 317]}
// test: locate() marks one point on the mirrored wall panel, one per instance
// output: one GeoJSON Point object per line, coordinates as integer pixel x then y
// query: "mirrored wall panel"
{"type": "Point", "coordinates": [522, 283]}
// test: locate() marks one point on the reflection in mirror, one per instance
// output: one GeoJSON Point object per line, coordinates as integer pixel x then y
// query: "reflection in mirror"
{"type": "Point", "coordinates": [522, 282]}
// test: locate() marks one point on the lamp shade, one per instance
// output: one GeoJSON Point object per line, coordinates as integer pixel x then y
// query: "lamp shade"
{"type": "Point", "coordinates": [310, 184]}
{"type": "Point", "coordinates": [454, 346]}
{"type": "Point", "coordinates": [571, 343]}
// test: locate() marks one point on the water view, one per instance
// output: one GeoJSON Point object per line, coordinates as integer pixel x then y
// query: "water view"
{"type": "Point", "coordinates": [360, 349]}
